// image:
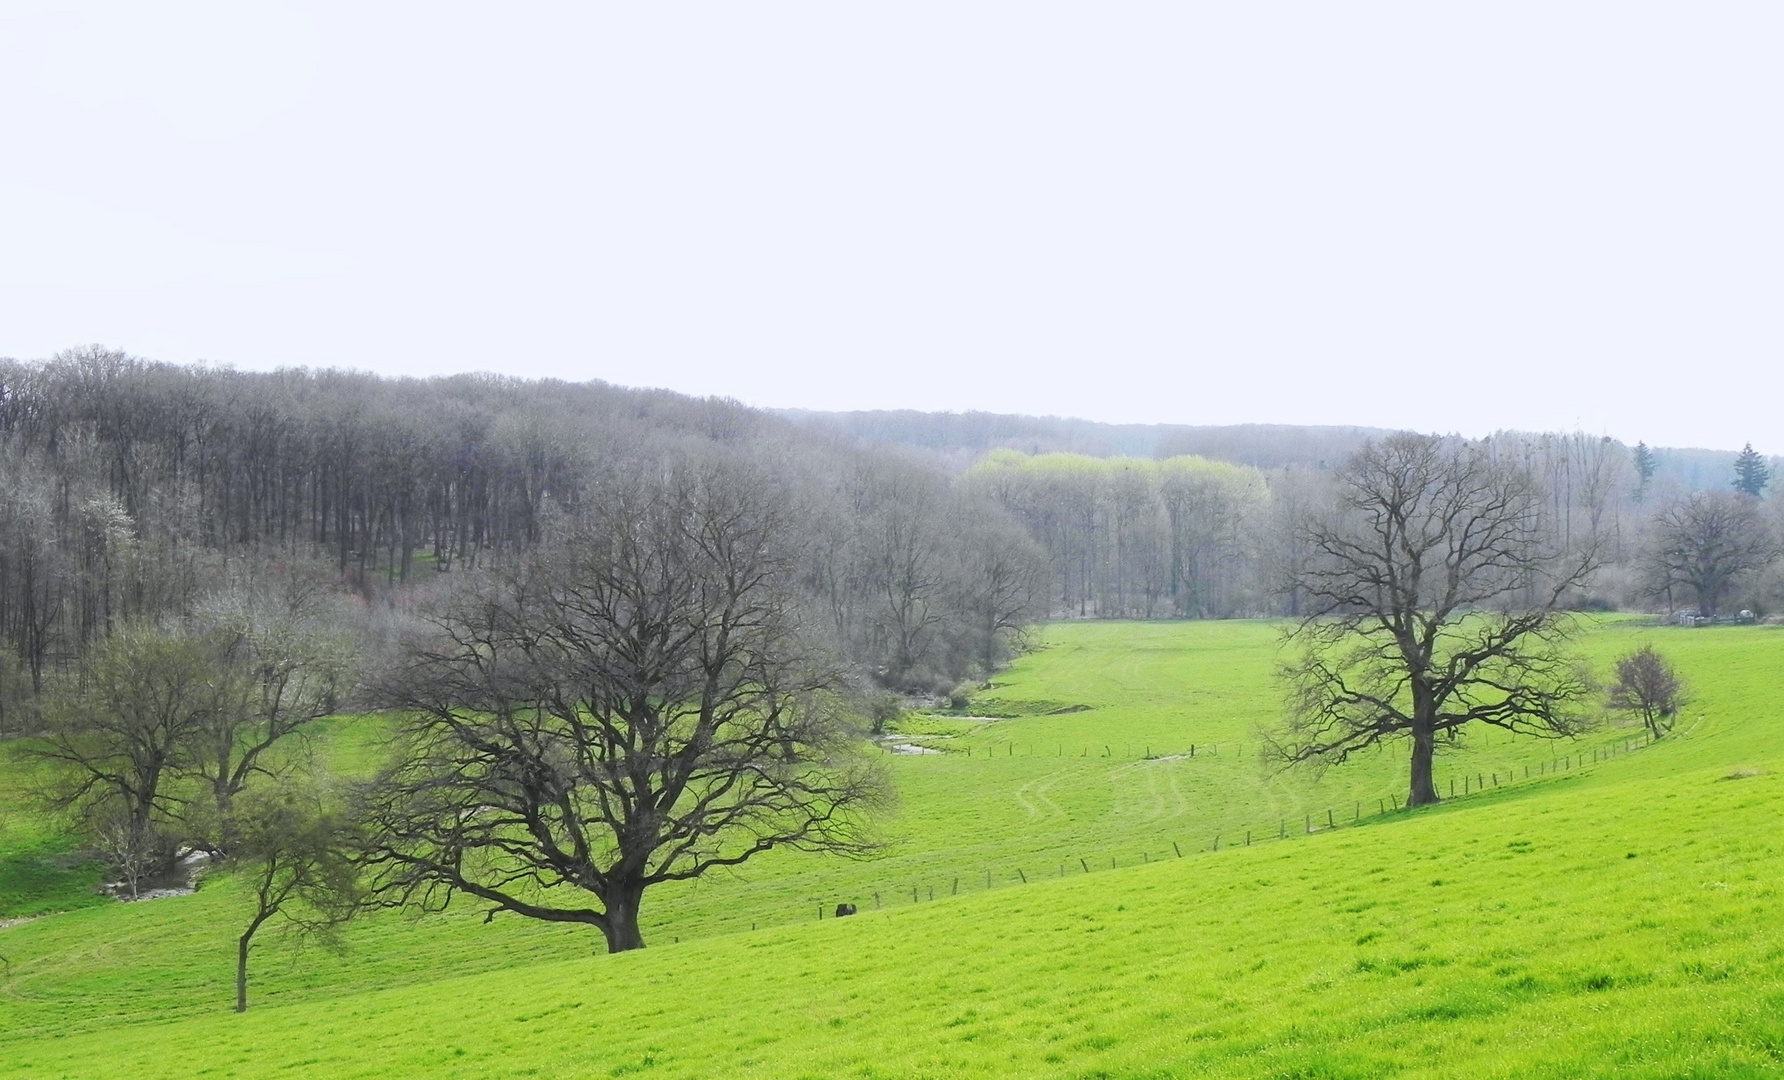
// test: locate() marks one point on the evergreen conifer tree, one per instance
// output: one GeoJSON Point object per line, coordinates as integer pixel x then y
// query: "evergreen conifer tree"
{"type": "Point", "coordinates": [1750, 472]}
{"type": "Point", "coordinates": [1645, 464]}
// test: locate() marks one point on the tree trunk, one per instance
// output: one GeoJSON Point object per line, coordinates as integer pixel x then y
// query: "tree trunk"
{"type": "Point", "coordinates": [621, 926]}
{"type": "Point", "coordinates": [242, 945]}
{"type": "Point", "coordinates": [1423, 790]}
{"type": "Point", "coordinates": [241, 971]}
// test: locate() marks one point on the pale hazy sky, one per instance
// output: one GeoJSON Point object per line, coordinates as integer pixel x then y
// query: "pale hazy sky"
{"type": "Point", "coordinates": [1429, 215]}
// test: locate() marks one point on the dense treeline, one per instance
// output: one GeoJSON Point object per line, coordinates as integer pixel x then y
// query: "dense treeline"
{"type": "Point", "coordinates": [1185, 536]}
{"type": "Point", "coordinates": [960, 439]}
{"type": "Point", "coordinates": [1126, 537]}
{"type": "Point", "coordinates": [132, 490]}
{"type": "Point", "coordinates": [129, 488]}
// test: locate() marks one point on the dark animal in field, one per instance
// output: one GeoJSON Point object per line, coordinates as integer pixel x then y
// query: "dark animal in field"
{"type": "Point", "coordinates": [844, 909]}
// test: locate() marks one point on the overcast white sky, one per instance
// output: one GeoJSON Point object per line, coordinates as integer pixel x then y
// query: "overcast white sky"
{"type": "Point", "coordinates": [1429, 215]}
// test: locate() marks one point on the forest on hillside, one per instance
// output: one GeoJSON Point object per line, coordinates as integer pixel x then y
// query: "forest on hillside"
{"type": "Point", "coordinates": [135, 492]}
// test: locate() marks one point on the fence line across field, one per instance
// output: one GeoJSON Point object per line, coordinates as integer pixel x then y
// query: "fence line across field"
{"type": "Point", "coordinates": [899, 745]}
{"type": "Point", "coordinates": [1475, 783]}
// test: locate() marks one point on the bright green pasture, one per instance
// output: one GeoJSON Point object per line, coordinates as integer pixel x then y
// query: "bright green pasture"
{"type": "Point", "coordinates": [40, 868]}
{"type": "Point", "coordinates": [1508, 933]}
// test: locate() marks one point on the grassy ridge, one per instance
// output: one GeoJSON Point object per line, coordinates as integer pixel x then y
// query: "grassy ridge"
{"type": "Point", "coordinates": [1516, 920]}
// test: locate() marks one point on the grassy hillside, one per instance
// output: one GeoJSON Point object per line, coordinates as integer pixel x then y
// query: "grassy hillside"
{"type": "Point", "coordinates": [1617, 915]}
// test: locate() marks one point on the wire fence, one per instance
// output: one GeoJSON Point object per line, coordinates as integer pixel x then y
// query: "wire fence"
{"type": "Point", "coordinates": [1472, 784]}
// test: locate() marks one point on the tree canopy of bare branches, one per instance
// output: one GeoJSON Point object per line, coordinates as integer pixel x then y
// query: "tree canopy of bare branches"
{"type": "Point", "coordinates": [280, 659]}
{"type": "Point", "coordinates": [1705, 542]}
{"type": "Point", "coordinates": [636, 705]}
{"type": "Point", "coordinates": [1649, 687]}
{"type": "Point", "coordinates": [1433, 601]}
{"type": "Point", "coordinates": [120, 732]}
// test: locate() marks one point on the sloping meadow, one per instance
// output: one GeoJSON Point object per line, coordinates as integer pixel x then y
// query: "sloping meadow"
{"type": "Point", "coordinates": [1614, 913]}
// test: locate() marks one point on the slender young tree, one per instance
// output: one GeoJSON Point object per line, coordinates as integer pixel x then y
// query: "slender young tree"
{"type": "Point", "coordinates": [296, 855]}
{"type": "Point", "coordinates": [1434, 601]}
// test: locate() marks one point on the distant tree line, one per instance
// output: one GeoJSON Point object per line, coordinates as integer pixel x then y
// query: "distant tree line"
{"type": "Point", "coordinates": [1191, 537]}
{"type": "Point", "coordinates": [1132, 538]}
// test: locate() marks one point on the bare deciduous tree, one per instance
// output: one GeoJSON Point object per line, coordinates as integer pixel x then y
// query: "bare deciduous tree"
{"type": "Point", "coordinates": [1433, 602]}
{"type": "Point", "coordinates": [1706, 541]}
{"type": "Point", "coordinates": [1002, 581]}
{"type": "Point", "coordinates": [281, 659]}
{"type": "Point", "coordinates": [1648, 686]}
{"type": "Point", "coordinates": [636, 705]}
{"type": "Point", "coordinates": [120, 731]}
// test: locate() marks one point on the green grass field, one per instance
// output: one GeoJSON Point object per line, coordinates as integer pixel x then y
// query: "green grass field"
{"type": "Point", "coordinates": [1616, 913]}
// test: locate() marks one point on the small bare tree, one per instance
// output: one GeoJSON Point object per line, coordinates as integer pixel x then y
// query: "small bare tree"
{"type": "Point", "coordinates": [635, 705]}
{"type": "Point", "coordinates": [1433, 600]}
{"type": "Point", "coordinates": [1649, 687]}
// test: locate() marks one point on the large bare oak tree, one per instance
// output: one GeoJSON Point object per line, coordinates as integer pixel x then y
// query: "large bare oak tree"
{"type": "Point", "coordinates": [1433, 596]}
{"type": "Point", "coordinates": [636, 705]}
{"type": "Point", "coordinates": [1706, 541]}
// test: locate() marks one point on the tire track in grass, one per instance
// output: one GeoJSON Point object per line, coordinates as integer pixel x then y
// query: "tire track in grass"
{"type": "Point", "coordinates": [1182, 800]}
{"type": "Point", "coordinates": [1162, 799]}
{"type": "Point", "coordinates": [1033, 798]}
